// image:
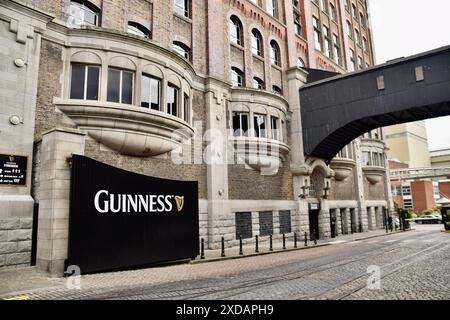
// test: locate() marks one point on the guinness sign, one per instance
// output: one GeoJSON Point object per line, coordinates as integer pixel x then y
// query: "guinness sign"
{"type": "Point", "coordinates": [120, 219]}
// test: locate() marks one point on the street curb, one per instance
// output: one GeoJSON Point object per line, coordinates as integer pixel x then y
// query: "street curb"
{"type": "Point", "coordinates": [199, 261]}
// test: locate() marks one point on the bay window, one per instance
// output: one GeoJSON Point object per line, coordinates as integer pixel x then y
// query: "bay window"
{"type": "Point", "coordinates": [150, 93]}
{"type": "Point", "coordinates": [120, 86]}
{"type": "Point", "coordinates": [84, 83]}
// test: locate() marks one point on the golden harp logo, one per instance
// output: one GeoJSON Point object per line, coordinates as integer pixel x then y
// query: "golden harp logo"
{"type": "Point", "coordinates": [11, 158]}
{"type": "Point", "coordinates": [180, 202]}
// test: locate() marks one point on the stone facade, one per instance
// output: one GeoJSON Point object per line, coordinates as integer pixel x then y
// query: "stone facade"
{"type": "Point", "coordinates": [276, 188]}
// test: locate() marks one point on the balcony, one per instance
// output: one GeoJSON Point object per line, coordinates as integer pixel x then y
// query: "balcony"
{"type": "Point", "coordinates": [374, 174]}
{"type": "Point", "coordinates": [342, 167]}
{"type": "Point", "coordinates": [127, 129]}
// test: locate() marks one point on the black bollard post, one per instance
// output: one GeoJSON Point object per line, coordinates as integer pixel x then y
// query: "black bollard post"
{"type": "Point", "coordinates": [241, 252]}
{"type": "Point", "coordinates": [270, 243]}
{"type": "Point", "coordinates": [306, 240]}
{"type": "Point", "coordinates": [256, 244]}
{"type": "Point", "coordinates": [295, 240]}
{"type": "Point", "coordinates": [284, 241]}
{"type": "Point", "coordinates": [387, 229]}
{"type": "Point", "coordinates": [223, 248]}
{"type": "Point", "coordinates": [315, 237]}
{"type": "Point", "coordinates": [202, 249]}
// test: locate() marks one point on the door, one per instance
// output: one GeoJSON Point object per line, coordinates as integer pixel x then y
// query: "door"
{"type": "Point", "coordinates": [314, 224]}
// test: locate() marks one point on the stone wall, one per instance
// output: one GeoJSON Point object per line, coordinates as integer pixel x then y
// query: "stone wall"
{"type": "Point", "coordinates": [15, 241]}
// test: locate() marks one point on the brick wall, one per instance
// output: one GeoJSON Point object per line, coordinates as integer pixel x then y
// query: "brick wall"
{"type": "Point", "coordinates": [444, 188]}
{"type": "Point", "coordinates": [15, 241]}
{"type": "Point", "coordinates": [423, 196]}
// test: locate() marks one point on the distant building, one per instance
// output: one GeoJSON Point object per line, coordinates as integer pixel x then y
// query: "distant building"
{"type": "Point", "coordinates": [440, 158]}
{"type": "Point", "coordinates": [408, 143]}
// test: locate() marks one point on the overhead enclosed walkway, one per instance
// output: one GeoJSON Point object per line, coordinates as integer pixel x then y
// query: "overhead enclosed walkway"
{"type": "Point", "coordinates": [339, 109]}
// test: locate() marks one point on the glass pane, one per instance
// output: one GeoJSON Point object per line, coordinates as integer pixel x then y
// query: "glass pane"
{"type": "Point", "coordinates": [236, 124]}
{"type": "Point", "coordinates": [113, 85]}
{"type": "Point", "coordinates": [77, 81]}
{"type": "Point", "coordinates": [244, 119]}
{"type": "Point", "coordinates": [154, 93]}
{"type": "Point", "coordinates": [93, 83]}
{"type": "Point", "coordinates": [186, 108]}
{"type": "Point", "coordinates": [90, 17]}
{"type": "Point", "coordinates": [127, 88]}
{"type": "Point", "coordinates": [145, 92]}
{"type": "Point", "coordinates": [172, 99]}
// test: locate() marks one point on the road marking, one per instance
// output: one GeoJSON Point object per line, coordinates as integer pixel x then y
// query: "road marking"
{"type": "Point", "coordinates": [24, 297]}
{"type": "Point", "coordinates": [390, 241]}
{"type": "Point", "coordinates": [409, 240]}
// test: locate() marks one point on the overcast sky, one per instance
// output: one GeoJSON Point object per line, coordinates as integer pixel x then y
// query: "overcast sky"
{"type": "Point", "coordinates": [405, 27]}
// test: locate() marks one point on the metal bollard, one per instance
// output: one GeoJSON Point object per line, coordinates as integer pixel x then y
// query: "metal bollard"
{"type": "Point", "coordinates": [315, 237]}
{"type": "Point", "coordinates": [295, 240]}
{"type": "Point", "coordinates": [202, 249]}
{"type": "Point", "coordinates": [270, 243]}
{"type": "Point", "coordinates": [241, 252]}
{"type": "Point", "coordinates": [222, 254]}
{"type": "Point", "coordinates": [256, 244]}
{"type": "Point", "coordinates": [284, 241]}
{"type": "Point", "coordinates": [306, 240]}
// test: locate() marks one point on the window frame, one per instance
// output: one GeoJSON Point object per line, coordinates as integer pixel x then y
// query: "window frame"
{"type": "Point", "coordinates": [235, 22]}
{"type": "Point", "coordinates": [240, 74]}
{"type": "Point", "coordinates": [150, 92]}
{"type": "Point", "coordinates": [177, 100]}
{"type": "Point", "coordinates": [183, 50]}
{"type": "Point", "coordinates": [121, 72]}
{"type": "Point", "coordinates": [85, 80]}
{"type": "Point", "coordinates": [240, 131]}
{"type": "Point", "coordinates": [275, 54]}
{"type": "Point", "coordinates": [185, 10]}
{"type": "Point", "coordinates": [257, 40]}
{"type": "Point", "coordinates": [83, 5]}
{"type": "Point", "coordinates": [146, 33]}
{"type": "Point", "coordinates": [257, 129]}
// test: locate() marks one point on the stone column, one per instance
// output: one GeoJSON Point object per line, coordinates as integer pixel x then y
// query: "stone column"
{"type": "Point", "coordinates": [379, 217]}
{"type": "Point", "coordinates": [21, 28]}
{"type": "Point", "coordinates": [359, 178]}
{"type": "Point", "coordinates": [337, 214]}
{"type": "Point", "coordinates": [372, 218]}
{"type": "Point", "coordinates": [220, 218]}
{"type": "Point", "coordinates": [347, 224]}
{"type": "Point", "coordinates": [324, 220]}
{"type": "Point", "coordinates": [54, 189]}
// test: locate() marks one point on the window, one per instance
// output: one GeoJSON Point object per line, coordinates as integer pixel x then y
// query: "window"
{"type": "Point", "coordinates": [259, 121]}
{"type": "Point", "coordinates": [353, 60]}
{"type": "Point", "coordinates": [83, 13]}
{"type": "Point", "coordinates": [349, 29]}
{"type": "Point", "coordinates": [354, 12]}
{"type": "Point", "coordinates": [138, 30]}
{"type": "Point", "coordinates": [235, 31]}
{"type": "Point", "coordinates": [327, 42]}
{"type": "Point", "coordinates": [272, 8]}
{"type": "Point", "coordinates": [181, 7]}
{"type": "Point", "coordinates": [172, 100]}
{"type": "Point", "coordinates": [363, 20]}
{"type": "Point", "coordinates": [360, 63]}
{"type": "Point", "coordinates": [237, 77]}
{"type": "Point", "coordinates": [297, 23]}
{"type": "Point", "coordinates": [187, 108]}
{"type": "Point", "coordinates": [365, 45]}
{"type": "Point", "coordinates": [151, 93]}
{"type": "Point", "coordinates": [240, 124]}
{"type": "Point", "coordinates": [258, 83]}
{"type": "Point", "coordinates": [366, 158]}
{"type": "Point", "coordinates": [275, 57]}
{"type": "Point", "coordinates": [120, 86]}
{"type": "Point", "coordinates": [407, 204]}
{"type": "Point", "coordinates": [336, 50]}
{"type": "Point", "coordinates": [182, 49]}
{"type": "Point", "coordinates": [317, 34]}
{"type": "Point", "coordinates": [324, 5]}
{"type": "Point", "coordinates": [84, 82]}
{"type": "Point", "coordinates": [277, 90]}
{"type": "Point", "coordinates": [333, 13]}
{"type": "Point", "coordinates": [300, 63]}
{"type": "Point", "coordinates": [274, 127]}
{"type": "Point", "coordinates": [406, 190]}
{"type": "Point", "coordinates": [257, 43]}
{"type": "Point", "coordinates": [357, 38]}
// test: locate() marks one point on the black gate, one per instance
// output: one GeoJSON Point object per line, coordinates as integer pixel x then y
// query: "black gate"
{"type": "Point", "coordinates": [314, 224]}
{"type": "Point", "coordinates": [120, 219]}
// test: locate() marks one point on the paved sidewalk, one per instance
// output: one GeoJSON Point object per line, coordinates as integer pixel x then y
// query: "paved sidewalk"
{"type": "Point", "coordinates": [17, 281]}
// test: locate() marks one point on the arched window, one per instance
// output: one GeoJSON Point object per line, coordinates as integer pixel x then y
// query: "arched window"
{"type": "Point", "coordinates": [277, 90]}
{"type": "Point", "coordinates": [257, 43]}
{"type": "Point", "coordinates": [258, 83]}
{"type": "Point", "coordinates": [236, 35]}
{"type": "Point", "coordinates": [182, 7]}
{"type": "Point", "coordinates": [182, 49]}
{"type": "Point", "coordinates": [83, 13]}
{"type": "Point", "coordinates": [237, 77]}
{"type": "Point", "coordinates": [300, 63]}
{"type": "Point", "coordinates": [138, 30]}
{"type": "Point", "coordinates": [275, 56]}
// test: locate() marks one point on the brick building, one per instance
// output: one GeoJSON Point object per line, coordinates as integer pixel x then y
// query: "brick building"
{"type": "Point", "coordinates": [184, 90]}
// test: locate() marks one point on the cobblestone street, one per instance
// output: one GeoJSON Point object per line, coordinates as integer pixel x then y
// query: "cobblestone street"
{"type": "Point", "coordinates": [413, 265]}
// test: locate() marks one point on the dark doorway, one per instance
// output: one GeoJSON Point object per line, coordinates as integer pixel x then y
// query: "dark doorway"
{"type": "Point", "coordinates": [34, 234]}
{"type": "Point", "coordinates": [333, 224]}
{"type": "Point", "coordinates": [314, 224]}
{"type": "Point", "coordinates": [353, 221]}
